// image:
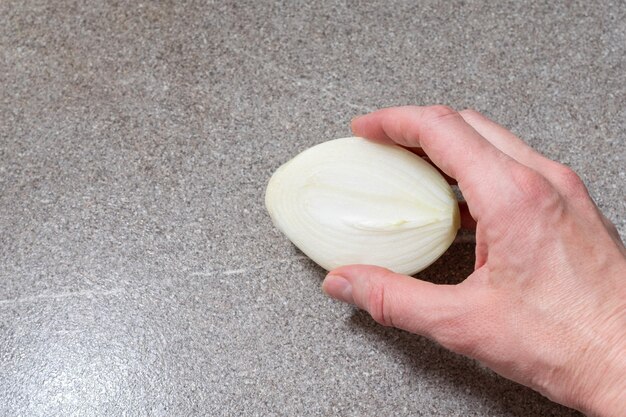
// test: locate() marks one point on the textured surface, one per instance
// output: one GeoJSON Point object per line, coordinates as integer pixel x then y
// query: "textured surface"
{"type": "Point", "coordinates": [139, 272]}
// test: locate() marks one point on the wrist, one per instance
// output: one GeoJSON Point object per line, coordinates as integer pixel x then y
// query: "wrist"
{"type": "Point", "coordinates": [592, 376]}
{"type": "Point", "coordinates": [605, 395]}
{"type": "Point", "coordinates": [602, 377]}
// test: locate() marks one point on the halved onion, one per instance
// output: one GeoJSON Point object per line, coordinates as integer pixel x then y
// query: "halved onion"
{"type": "Point", "coordinates": [354, 201]}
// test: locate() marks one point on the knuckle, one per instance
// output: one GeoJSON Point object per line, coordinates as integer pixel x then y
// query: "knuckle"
{"type": "Point", "coordinates": [532, 187]}
{"type": "Point", "coordinates": [439, 112]}
{"type": "Point", "coordinates": [377, 305]}
{"type": "Point", "coordinates": [433, 119]}
{"type": "Point", "coordinates": [569, 183]}
{"type": "Point", "coordinates": [470, 114]}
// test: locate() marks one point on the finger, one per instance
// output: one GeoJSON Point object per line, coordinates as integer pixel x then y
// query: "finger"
{"type": "Point", "coordinates": [440, 131]}
{"type": "Point", "coordinates": [561, 176]}
{"type": "Point", "coordinates": [453, 145]}
{"type": "Point", "coordinates": [448, 178]}
{"type": "Point", "coordinates": [416, 150]}
{"type": "Point", "coordinates": [420, 152]}
{"type": "Point", "coordinates": [505, 141]}
{"type": "Point", "coordinates": [396, 300]}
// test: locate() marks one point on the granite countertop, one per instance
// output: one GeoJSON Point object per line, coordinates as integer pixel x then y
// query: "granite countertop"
{"type": "Point", "coordinates": [139, 271]}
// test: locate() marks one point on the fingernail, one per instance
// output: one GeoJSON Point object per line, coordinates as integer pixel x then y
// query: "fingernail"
{"type": "Point", "coordinates": [356, 118]}
{"type": "Point", "coordinates": [339, 288]}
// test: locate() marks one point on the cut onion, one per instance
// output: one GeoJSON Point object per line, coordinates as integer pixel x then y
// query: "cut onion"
{"type": "Point", "coordinates": [355, 201]}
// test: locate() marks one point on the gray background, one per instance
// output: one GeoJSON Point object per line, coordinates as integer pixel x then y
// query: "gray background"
{"type": "Point", "coordinates": [139, 272]}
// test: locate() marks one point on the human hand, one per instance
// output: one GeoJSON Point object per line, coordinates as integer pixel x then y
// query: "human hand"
{"type": "Point", "coordinates": [546, 303]}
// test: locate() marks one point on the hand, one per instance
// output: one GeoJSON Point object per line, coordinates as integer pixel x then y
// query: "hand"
{"type": "Point", "coordinates": [546, 303]}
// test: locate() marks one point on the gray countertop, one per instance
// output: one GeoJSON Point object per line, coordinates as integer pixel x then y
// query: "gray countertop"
{"type": "Point", "coordinates": [139, 272]}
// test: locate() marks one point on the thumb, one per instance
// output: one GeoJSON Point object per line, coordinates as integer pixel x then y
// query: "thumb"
{"type": "Point", "coordinates": [435, 311]}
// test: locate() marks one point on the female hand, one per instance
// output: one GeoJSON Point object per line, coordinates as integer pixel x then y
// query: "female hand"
{"type": "Point", "coordinates": [546, 303]}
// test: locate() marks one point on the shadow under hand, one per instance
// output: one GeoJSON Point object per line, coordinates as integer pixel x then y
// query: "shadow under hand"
{"type": "Point", "coordinates": [430, 361]}
{"type": "Point", "coordinates": [453, 267]}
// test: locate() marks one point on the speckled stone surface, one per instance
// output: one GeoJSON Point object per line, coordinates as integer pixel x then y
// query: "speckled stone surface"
{"type": "Point", "coordinates": [139, 272]}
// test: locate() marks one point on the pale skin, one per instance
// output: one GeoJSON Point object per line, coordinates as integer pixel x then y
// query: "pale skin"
{"type": "Point", "coordinates": [546, 303]}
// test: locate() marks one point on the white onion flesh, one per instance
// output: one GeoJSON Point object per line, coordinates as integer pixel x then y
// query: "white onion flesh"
{"type": "Point", "coordinates": [354, 201]}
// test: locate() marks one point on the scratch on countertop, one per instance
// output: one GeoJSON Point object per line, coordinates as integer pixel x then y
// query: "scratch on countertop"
{"type": "Point", "coordinates": [241, 269]}
{"type": "Point", "coordinates": [61, 295]}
